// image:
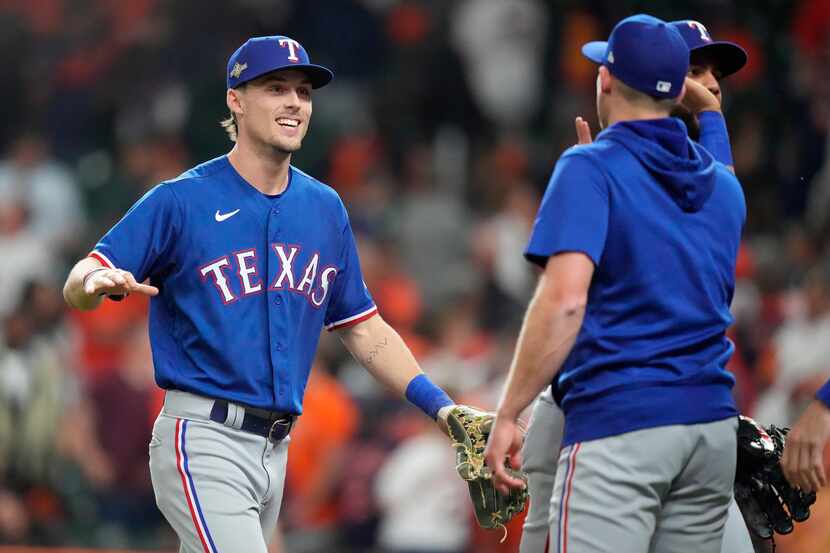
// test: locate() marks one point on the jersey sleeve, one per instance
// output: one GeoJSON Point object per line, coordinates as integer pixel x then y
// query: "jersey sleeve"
{"type": "Point", "coordinates": [351, 302]}
{"type": "Point", "coordinates": [143, 239]}
{"type": "Point", "coordinates": [715, 137]}
{"type": "Point", "coordinates": [573, 216]}
{"type": "Point", "coordinates": [823, 394]}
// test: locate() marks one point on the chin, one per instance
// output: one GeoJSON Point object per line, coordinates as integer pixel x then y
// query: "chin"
{"type": "Point", "coordinates": [286, 147]}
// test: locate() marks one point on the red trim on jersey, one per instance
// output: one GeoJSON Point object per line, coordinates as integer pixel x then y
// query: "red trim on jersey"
{"type": "Point", "coordinates": [100, 257]}
{"type": "Point", "coordinates": [347, 323]}
{"type": "Point", "coordinates": [186, 489]}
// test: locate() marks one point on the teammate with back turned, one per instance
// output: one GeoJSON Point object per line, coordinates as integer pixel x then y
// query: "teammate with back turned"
{"type": "Point", "coordinates": [638, 235]}
{"type": "Point", "coordinates": [248, 258]}
{"type": "Point", "coordinates": [700, 109]}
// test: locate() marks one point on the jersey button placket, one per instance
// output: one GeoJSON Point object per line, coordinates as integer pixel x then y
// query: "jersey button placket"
{"type": "Point", "coordinates": [276, 313]}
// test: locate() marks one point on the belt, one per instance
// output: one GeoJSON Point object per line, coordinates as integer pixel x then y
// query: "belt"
{"type": "Point", "coordinates": [273, 425]}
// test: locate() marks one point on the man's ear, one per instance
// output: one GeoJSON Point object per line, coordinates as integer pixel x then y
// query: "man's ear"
{"type": "Point", "coordinates": [234, 101]}
{"type": "Point", "coordinates": [605, 80]}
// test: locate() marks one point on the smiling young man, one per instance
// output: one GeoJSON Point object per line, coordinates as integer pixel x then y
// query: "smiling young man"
{"type": "Point", "coordinates": [248, 258]}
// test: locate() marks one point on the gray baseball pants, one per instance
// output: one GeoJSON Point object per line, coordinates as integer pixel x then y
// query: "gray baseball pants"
{"type": "Point", "coordinates": [540, 454]}
{"type": "Point", "coordinates": [220, 488]}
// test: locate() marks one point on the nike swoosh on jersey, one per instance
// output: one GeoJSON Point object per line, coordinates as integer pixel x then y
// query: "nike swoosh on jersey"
{"type": "Point", "coordinates": [224, 216]}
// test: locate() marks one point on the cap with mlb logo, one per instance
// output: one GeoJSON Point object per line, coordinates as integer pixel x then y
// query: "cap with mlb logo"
{"type": "Point", "coordinates": [261, 55]}
{"type": "Point", "coordinates": [646, 53]}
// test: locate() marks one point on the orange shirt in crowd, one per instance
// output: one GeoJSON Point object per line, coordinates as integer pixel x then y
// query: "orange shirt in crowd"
{"type": "Point", "coordinates": [102, 333]}
{"type": "Point", "coordinates": [328, 422]}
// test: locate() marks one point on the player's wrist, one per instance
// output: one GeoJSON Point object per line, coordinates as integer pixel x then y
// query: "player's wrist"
{"type": "Point", "coordinates": [507, 412]}
{"type": "Point", "coordinates": [426, 396]}
{"type": "Point", "coordinates": [89, 274]}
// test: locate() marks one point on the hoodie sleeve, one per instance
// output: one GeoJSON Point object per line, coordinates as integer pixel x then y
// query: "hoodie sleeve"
{"type": "Point", "coordinates": [573, 216]}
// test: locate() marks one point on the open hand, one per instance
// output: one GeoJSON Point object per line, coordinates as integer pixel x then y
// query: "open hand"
{"type": "Point", "coordinates": [583, 131]}
{"type": "Point", "coordinates": [114, 282]}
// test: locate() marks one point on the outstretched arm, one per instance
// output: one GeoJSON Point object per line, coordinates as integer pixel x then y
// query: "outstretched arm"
{"type": "Point", "coordinates": [550, 328]}
{"type": "Point", "coordinates": [382, 351]}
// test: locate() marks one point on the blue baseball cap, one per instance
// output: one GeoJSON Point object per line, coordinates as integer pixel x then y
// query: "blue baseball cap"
{"type": "Point", "coordinates": [645, 53]}
{"type": "Point", "coordinates": [263, 54]}
{"type": "Point", "coordinates": [726, 57]}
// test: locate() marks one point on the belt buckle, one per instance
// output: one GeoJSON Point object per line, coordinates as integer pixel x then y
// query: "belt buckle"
{"type": "Point", "coordinates": [280, 429]}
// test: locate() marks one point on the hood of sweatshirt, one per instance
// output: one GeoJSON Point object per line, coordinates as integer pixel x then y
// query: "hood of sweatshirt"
{"type": "Point", "coordinates": [684, 168]}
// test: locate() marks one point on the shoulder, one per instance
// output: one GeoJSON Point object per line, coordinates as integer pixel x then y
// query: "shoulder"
{"type": "Point", "coordinates": [591, 157]}
{"type": "Point", "coordinates": [324, 195]}
{"type": "Point", "coordinates": [216, 168]}
{"type": "Point", "coordinates": [582, 163]}
{"type": "Point", "coordinates": [727, 178]}
{"type": "Point", "coordinates": [313, 186]}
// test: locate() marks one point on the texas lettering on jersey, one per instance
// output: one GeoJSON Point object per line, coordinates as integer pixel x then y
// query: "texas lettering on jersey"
{"type": "Point", "coordinates": [312, 280]}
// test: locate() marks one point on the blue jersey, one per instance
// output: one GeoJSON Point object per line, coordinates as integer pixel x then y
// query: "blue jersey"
{"type": "Point", "coordinates": [823, 394]}
{"type": "Point", "coordinates": [662, 222]}
{"type": "Point", "coordinates": [247, 281]}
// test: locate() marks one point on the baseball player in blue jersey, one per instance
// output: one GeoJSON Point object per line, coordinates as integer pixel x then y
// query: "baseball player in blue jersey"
{"type": "Point", "coordinates": [247, 259]}
{"type": "Point", "coordinates": [710, 61]}
{"type": "Point", "coordinates": [638, 234]}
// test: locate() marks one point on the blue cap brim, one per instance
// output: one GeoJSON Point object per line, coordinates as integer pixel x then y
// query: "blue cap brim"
{"type": "Point", "coordinates": [595, 51]}
{"type": "Point", "coordinates": [726, 57]}
{"type": "Point", "coordinates": [317, 74]}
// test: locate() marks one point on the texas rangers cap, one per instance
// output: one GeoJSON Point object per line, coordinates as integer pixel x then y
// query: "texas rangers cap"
{"type": "Point", "coordinates": [263, 54]}
{"type": "Point", "coordinates": [645, 53]}
{"type": "Point", "coordinates": [726, 57]}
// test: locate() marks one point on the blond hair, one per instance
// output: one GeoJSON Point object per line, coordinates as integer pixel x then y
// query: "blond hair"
{"type": "Point", "coordinates": [229, 124]}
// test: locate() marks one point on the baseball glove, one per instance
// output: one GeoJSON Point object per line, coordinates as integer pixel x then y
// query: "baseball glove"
{"type": "Point", "coordinates": [469, 428]}
{"type": "Point", "coordinates": [768, 502]}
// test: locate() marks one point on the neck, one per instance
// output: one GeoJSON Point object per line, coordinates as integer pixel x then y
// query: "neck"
{"type": "Point", "coordinates": [634, 113]}
{"type": "Point", "coordinates": [265, 171]}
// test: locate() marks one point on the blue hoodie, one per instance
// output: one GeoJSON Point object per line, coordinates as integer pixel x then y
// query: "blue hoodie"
{"type": "Point", "coordinates": [662, 221]}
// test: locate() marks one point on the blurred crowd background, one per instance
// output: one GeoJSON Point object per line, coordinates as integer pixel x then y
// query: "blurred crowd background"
{"type": "Point", "coordinates": [440, 131]}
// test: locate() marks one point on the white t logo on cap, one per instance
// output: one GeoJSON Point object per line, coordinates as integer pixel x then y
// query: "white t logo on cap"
{"type": "Point", "coordinates": [293, 45]}
{"type": "Point", "coordinates": [663, 86]}
{"type": "Point", "coordinates": [704, 34]}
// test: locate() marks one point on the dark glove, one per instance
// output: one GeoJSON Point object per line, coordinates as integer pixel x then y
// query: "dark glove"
{"type": "Point", "coordinates": [469, 429]}
{"type": "Point", "coordinates": [768, 502]}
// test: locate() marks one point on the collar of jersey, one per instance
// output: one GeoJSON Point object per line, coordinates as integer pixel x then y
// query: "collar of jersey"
{"type": "Point", "coordinates": [263, 200]}
{"type": "Point", "coordinates": [253, 198]}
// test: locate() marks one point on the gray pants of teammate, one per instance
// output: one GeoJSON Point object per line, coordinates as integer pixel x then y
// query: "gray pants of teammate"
{"type": "Point", "coordinates": [219, 488]}
{"type": "Point", "coordinates": [540, 458]}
